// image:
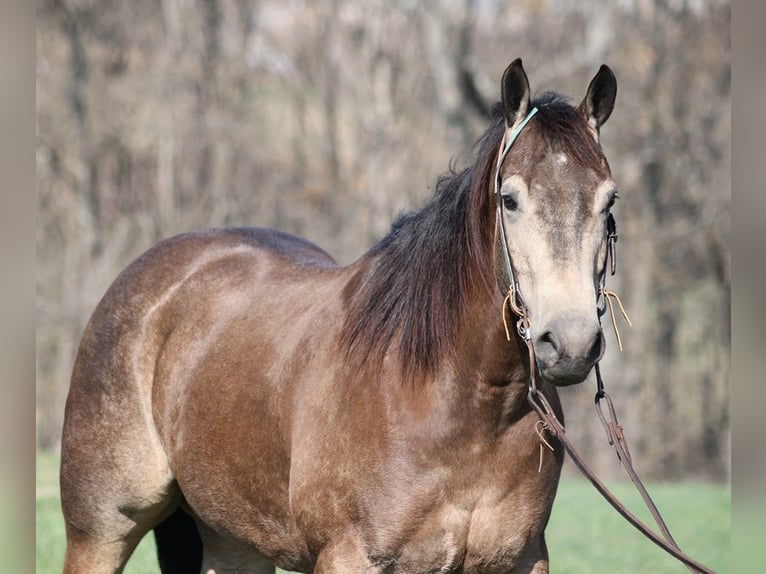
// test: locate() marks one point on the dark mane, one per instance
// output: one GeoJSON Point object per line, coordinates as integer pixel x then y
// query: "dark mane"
{"type": "Point", "coordinates": [420, 276]}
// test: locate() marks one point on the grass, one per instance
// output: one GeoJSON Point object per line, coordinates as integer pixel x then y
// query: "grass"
{"type": "Point", "coordinates": [585, 534]}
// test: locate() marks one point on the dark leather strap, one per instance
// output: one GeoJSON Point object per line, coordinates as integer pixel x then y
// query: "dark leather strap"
{"type": "Point", "coordinates": [617, 440]}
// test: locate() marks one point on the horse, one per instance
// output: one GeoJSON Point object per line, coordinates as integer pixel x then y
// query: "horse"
{"type": "Point", "coordinates": [256, 404]}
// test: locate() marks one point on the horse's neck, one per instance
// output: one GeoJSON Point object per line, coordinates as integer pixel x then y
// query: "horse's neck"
{"type": "Point", "coordinates": [493, 369]}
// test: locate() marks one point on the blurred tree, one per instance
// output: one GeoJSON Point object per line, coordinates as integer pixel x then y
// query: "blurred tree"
{"type": "Point", "coordinates": [327, 118]}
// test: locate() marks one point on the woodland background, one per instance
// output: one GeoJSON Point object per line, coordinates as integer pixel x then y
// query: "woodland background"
{"type": "Point", "coordinates": [327, 118]}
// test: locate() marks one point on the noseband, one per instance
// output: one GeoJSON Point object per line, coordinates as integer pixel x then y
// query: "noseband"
{"type": "Point", "coordinates": [540, 403]}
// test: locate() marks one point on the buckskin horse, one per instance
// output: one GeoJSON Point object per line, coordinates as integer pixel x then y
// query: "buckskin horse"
{"type": "Point", "coordinates": [256, 404]}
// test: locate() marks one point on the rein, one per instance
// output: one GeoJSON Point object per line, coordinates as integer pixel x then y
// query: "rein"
{"type": "Point", "coordinates": [540, 404]}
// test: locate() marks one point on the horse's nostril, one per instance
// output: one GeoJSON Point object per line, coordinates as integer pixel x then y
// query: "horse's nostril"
{"type": "Point", "coordinates": [548, 345]}
{"type": "Point", "coordinates": [548, 337]}
{"type": "Point", "coordinates": [597, 350]}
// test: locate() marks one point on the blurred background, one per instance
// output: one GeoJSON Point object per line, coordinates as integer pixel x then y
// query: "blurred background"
{"type": "Point", "coordinates": [327, 118]}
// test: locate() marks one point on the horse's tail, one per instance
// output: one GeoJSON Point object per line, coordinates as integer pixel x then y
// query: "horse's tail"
{"type": "Point", "coordinates": [179, 546]}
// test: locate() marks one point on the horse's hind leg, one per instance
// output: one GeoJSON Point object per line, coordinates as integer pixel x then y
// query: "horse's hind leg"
{"type": "Point", "coordinates": [88, 553]}
{"type": "Point", "coordinates": [222, 555]}
{"type": "Point", "coordinates": [179, 546]}
{"type": "Point", "coordinates": [116, 482]}
{"type": "Point", "coordinates": [112, 494]}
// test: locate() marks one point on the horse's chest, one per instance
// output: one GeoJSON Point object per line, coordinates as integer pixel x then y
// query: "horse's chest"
{"type": "Point", "coordinates": [487, 514]}
{"type": "Point", "coordinates": [489, 538]}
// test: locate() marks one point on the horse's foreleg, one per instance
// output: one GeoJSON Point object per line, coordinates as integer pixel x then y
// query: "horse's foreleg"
{"type": "Point", "coordinates": [535, 559]}
{"type": "Point", "coordinates": [344, 555]}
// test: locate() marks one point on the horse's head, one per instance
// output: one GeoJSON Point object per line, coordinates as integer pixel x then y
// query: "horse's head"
{"type": "Point", "coordinates": [555, 192]}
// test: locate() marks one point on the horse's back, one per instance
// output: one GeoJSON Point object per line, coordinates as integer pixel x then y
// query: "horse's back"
{"type": "Point", "coordinates": [194, 301]}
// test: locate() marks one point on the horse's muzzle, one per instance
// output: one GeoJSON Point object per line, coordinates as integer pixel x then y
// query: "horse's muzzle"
{"type": "Point", "coordinates": [567, 350]}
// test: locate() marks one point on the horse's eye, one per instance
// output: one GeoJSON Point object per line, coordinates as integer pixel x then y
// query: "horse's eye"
{"type": "Point", "coordinates": [612, 198]}
{"type": "Point", "coordinates": [510, 203]}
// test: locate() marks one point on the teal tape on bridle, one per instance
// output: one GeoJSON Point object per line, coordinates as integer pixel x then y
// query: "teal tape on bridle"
{"type": "Point", "coordinates": [507, 147]}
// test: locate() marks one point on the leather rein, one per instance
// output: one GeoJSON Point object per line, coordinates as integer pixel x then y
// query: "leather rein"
{"type": "Point", "coordinates": [540, 404]}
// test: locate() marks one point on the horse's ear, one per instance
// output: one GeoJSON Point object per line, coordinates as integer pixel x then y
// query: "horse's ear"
{"type": "Point", "coordinates": [599, 101]}
{"type": "Point", "coordinates": [515, 93]}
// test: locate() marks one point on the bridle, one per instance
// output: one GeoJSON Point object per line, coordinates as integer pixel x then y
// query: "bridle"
{"type": "Point", "coordinates": [514, 295]}
{"type": "Point", "coordinates": [539, 402]}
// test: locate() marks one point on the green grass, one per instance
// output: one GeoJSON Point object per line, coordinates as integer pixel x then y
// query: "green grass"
{"type": "Point", "coordinates": [585, 534]}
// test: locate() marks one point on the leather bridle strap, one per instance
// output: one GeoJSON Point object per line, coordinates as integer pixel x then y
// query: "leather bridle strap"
{"type": "Point", "coordinates": [617, 440]}
{"type": "Point", "coordinates": [517, 304]}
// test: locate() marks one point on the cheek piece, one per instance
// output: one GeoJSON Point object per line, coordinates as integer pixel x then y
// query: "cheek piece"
{"type": "Point", "coordinates": [514, 296]}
